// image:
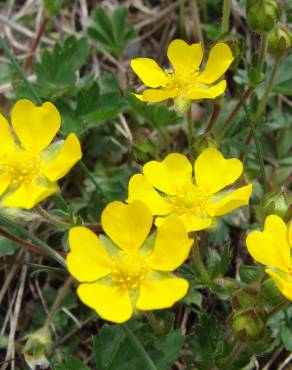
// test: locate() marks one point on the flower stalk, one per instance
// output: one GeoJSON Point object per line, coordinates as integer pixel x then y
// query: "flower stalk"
{"type": "Point", "coordinates": [226, 16]}
{"type": "Point", "coordinates": [51, 219]}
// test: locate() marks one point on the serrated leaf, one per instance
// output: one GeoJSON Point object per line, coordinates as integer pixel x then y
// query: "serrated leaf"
{"type": "Point", "coordinates": [56, 72]}
{"type": "Point", "coordinates": [171, 346]}
{"type": "Point", "coordinates": [153, 115]}
{"type": "Point", "coordinates": [111, 32]}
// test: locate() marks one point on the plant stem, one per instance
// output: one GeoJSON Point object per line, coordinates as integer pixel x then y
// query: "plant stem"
{"type": "Point", "coordinates": [23, 243]}
{"type": "Point", "coordinates": [257, 143]}
{"type": "Point", "coordinates": [200, 265]}
{"type": "Point", "coordinates": [51, 219]}
{"type": "Point", "coordinates": [226, 16]}
{"type": "Point", "coordinates": [263, 101]}
{"type": "Point", "coordinates": [190, 130]}
{"type": "Point", "coordinates": [263, 50]}
{"type": "Point", "coordinates": [213, 119]}
{"type": "Point", "coordinates": [61, 294]}
{"type": "Point", "coordinates": [197, 22]}
{"type": "Point", "coordinates": [234, 111]}
{"type": "Point", "coordinates": [55, 255]}
{"type": "Point", "coordinates": [182, 18]}
{"type": "Point", "coordinates": [15, 64]}
{"type": "Point", "coordinates": [154, 323]}
{"type": "Point", "coordinates": [149, 365]}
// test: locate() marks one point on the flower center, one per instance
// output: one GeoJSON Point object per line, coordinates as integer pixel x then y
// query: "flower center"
{"type": "Point", "coordinates": [181, 81]}
{"type": "Point", "coordinates": [21, 166]}
{"type": "Point", "coordinates": [128, 271]}
{"type": "Point", "coordinates": [190, 198]}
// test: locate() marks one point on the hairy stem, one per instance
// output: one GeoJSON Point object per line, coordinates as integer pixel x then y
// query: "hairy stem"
{"type": "Point", "coordinates": [190, 130]}
{"type": "Point", "coordinates": [200, 265]}
{"type": "Point", "coordinates": [197, 22]}
{"type": "Point", "coordinates": [51, 219]}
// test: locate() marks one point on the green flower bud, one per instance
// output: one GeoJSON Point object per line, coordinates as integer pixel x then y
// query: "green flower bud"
{"type": "Point", "coordinates": [280, 40]}
{"type": "Point", "coordinates": [38, 346]}
{"type": "Point", "coordinates": [276, 203]}
{"type": "Point", "coordinates": [247, 324]}
{"type": "Point", "coordinates": [262, 15]}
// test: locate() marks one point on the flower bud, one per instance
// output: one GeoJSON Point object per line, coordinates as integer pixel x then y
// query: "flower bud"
{"type": "Point", "coordinates": [38, 346]}
{"type": "Point", "coordinates": [276, 203]}
{"type": "Point", "coordinates": [247, 324]}
{"type": "Point", "coordinates": [280, 40]}
{"type": "Point", "coordinates": [262, 15]}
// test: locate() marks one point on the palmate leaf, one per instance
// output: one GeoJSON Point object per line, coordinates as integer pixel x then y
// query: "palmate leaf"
{"type": "Point", "coordinates": [56, 71]}
{"type": "Point", "coordinates": [111, 32]}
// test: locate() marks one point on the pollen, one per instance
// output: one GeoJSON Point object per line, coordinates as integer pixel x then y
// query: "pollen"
{"type": "Point", "coordinates": [21, 166]}
{"type": "Point", "coordinates": [128, 271]}
{"type": "Point", "coordinates": [190, 198]}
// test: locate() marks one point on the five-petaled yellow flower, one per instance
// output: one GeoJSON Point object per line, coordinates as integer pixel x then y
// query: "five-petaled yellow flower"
{"type": "Point", "coordinates": [272, 247]}
{"type": "Point", "coordinates": [128, 270]}
{"type": "Point", "coordinates": [185, 81]}
{"type": "Point", "coordinates": [195, 201]}
{"type": "Point", "coordinates": [29, 167]}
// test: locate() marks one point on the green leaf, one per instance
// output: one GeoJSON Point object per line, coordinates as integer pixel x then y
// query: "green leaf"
{"type": "Point", "coordinates": [7, 247]}
{"type": "Point", "coordinates": [250, 274]}
{"type": "Point", "coordinates": [113, 350]}
{"type": "Point", "coordinates": [153, 115]}
{"type": "Point", "coordinates": [171, 346]}
{"type": "Point", "coordinates": [286, 336]}
{"type": "Point", "coordinates": [71, 363]}
{"type": "Point", "coordinates": [111, 32]}
{"type": "Point", "coordinates": [56, 72]}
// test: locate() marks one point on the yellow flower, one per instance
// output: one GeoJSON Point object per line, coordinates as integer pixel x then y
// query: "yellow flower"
{"type": "Point", "coordinates": [29, 167]}
{"type": "Point", "coordinates": [184, 82]}
{"type": "Point", "coordinates": [196, 202]}
{"type": "Point", "coordinates": [128, 271]}
{"type": "Point", "coordinates": [272, 247]}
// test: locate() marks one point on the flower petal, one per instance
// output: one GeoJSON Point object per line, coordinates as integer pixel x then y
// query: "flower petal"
{"type": "Point", "coordinates": [88, 259]}
{"type": "Point", "coordinates": [156, 96]}
{"type": "Point", "coordinates": [35, 126]}
{"type": "Point", "coordinates": [185, 58]}
{"type": "Point", "coordinates": [171, 173]}
{"type": "Point", "coordinates": [27, 195]}
{"type": "Point", "coordinates": [158, 294]}
{"type": "Point", "coordinates": [140, 188]}
{"type": "Point", "coordinates": [127, 224]}
{"type": "Point", "coordinates": [219, 60]}
{"type": "Point", "coordinates": [290, 234]}
{"type": "Point", "coordinates": [7, 141]}
{"type": "Point", "coordinates": [194, 222]}
{"type": "Point", "coordinates": [213, 172]}
{"type": "Point", "coordinates": [228, 203]}
{"type": "Point", "coordinates": [172, 246]}
{"type": "Point", "coordinates": [270, 246]}
{"type": "Point", "coordinates": [207, 93]}
{"type": "Point", "coordinates": [149, 72]}
{"type": "Point", "coordinates": [5, 180]}
{"type": "Point", "coordinates": [68, 155]}
{"type": "Point", "coordinates": [284, 285]}
{"type": "Point", "coordinates": [110, 302]}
